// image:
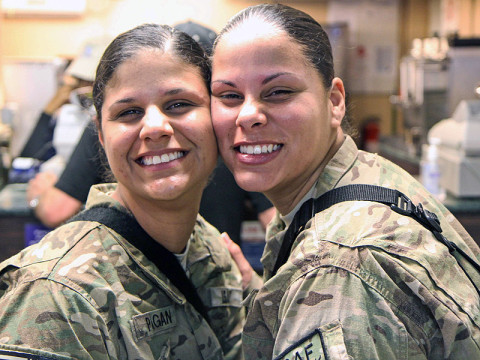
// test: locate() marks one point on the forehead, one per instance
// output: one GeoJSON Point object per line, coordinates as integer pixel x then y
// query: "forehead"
{"type": "Point", "coordinates": [257, 42]}
{"type": "Point", "coordinates": [153, 73]}
{"type": "Point", "coordinates": [252, 27]}
{"type": "Point", "coordinates": [150, 62]}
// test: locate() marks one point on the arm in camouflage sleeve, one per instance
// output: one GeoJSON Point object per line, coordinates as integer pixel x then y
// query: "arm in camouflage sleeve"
{"type": "Point", "coordinates": [234, 328]}
{"type": "Point", "coordinates": [53, 318]}
{"type": "Point", "coordinates": [228, 322]}
{"type": "Point", "coordinates": [351, 317]}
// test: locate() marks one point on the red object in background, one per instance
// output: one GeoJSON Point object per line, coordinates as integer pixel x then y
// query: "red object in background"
{"type": "Point", "coordinates": [371, 135]}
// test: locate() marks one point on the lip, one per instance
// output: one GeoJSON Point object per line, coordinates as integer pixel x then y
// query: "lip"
{"type": "Point", "coordinates": [161, 159]}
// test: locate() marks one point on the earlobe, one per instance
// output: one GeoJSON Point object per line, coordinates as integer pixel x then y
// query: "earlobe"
{"type": "Point", "coordinates": [99, 131]}
{"type": "Point", "coordinates": [337, 99]}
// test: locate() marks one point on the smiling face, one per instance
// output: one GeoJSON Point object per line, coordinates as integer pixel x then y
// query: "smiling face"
{"type": "Point", "coordinates": [275, 122]}
{"type": "Point", "coordinates": [156, 128]}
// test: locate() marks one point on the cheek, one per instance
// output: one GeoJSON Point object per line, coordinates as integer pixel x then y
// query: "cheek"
{"type": "Point", "coordinates": [209, 139]}
{"type": "Point", "coordinates": [224, 132]}
{"type": "Point", "coordinates": [222, 117]}
{"type": "Point", "coordinates": [117, 141]}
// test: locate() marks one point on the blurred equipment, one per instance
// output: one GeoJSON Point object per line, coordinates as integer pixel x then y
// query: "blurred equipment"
{"type": "Point", "coordinates": [29, 85]}
{"type": "Point", "coordinates": [23, 169]}
{"type": "Point", "coordinates": [459, 149]}
{"type": "Point", "coordinates": [434, 78]}
{"type": "Point", "coordinates": [430, 169]}
{"type": "Point", "coordinates": [338, 33]}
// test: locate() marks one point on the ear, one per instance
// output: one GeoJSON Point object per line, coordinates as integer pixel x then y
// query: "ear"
{"type": "Point", "coordinates": [99, 130]}
{"type": "Point", "coordinates": [337, 100]}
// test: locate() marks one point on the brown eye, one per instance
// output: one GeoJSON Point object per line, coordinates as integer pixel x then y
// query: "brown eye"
{"type": "Point", "coordinates": [129, 113]}
{"type": "Point", "coordinates": [179, 107]}
{"type": "Point", "coordinates": [229, 98]}
{"type": "Point", "coordinates": [279, 93]}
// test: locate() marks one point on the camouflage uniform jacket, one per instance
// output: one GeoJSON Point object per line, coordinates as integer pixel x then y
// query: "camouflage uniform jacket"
{"type": "Point", "coordinates": [84, 292]}
{"type": "Point", "coordinates": [364, 282]}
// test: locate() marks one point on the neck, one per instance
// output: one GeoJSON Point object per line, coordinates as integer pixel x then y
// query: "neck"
{"type": "Point", "coordinates": [286, 199]}
{"type": "Point", "coordinates": [168, 222]}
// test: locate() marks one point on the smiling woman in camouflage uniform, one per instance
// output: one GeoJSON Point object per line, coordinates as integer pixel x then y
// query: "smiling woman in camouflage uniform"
{"type": "Point", "coordinates": [86, 291]}
{"type": "Point", "coordinates": [361, 280]}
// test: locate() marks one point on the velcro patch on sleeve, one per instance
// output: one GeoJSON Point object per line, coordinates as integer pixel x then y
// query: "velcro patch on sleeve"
{"type": "Point", "coordinates": [222, 296]}
{"type": "Point", "coordinates": [323, 343]}
{"type": "Point", "coordinates": [153, 322]}
{"type": "Point", "coordinates": [309, 348]}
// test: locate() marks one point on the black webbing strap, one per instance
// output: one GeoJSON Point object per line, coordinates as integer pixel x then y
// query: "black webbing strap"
{"type": "Point", "coordinates": [128, 227]}
{"type": "Point", "coordinates": [397, 201]}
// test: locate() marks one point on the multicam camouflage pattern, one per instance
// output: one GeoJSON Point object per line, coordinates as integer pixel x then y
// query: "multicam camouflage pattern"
{"type": "Point", "coordinates": [84, 292]}
{"type": "Point", "coordinates": [371, 283]}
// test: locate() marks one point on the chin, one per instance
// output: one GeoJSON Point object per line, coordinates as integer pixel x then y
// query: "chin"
{"type": "Point", "coordinates": [252, 182]}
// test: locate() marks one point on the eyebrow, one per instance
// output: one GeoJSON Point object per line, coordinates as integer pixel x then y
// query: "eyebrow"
{"type": "Point", "coordinates": [121, 101]}
{"type": "Point", "coordinates": [274, 76]}
{"type": "Point", "coordinates": [265, 81]}
{"type": "Point", "coordinates": [229, 83]}
{"type": "Point", "coordinates": [174, 91]}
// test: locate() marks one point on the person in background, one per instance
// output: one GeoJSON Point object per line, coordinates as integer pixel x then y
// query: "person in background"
{"type": "Point", "coordinates": [362, 279]}
{"type": "Point", "coordinates": [139, 274]}
{"type": "Point", "coordinates": [223, 204]}
{"type": "Point", "coordinates": [66, 145]}
{"type": "Point", "coordinates": [72, 101]}
{"type": "Point", "coordinates": [56, 199]}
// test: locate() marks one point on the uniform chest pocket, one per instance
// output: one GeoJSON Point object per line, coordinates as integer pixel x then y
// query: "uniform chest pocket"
{"type": "Point", "coordinates": [172, 332]}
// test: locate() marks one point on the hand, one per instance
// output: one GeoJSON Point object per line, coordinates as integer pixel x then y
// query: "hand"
{"type": "Point", "coordinates": [245, 268]}
{"type": "Point", "coordinates": [40, 184]}
{"type": "Point", "coordinates": [61, 97]}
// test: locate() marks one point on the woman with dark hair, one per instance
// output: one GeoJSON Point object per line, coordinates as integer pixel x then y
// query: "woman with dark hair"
{"type": "Point", "coordinates": [345, 276]}
{"type": "Point", "coordinates": [138, 274]}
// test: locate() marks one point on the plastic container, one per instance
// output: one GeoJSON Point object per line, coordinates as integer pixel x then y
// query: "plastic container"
{"type": "Point", "coordinates": [23, 169]}
{"type": "Point", "coordinates": [430, 171]}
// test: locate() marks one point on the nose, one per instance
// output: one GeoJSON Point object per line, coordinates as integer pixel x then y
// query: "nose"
{"type": "Point", "coordinates": [251, 114]}
{"type": "Point", "coordinates": [155, 124]}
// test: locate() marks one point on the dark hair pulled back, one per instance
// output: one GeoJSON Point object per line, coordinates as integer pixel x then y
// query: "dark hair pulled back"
{"type": "Point", "coordinates": [299, 26]}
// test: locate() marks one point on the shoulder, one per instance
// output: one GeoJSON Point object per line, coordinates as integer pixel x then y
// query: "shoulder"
{"type": "Point", "coordinates": [63, 256]}
{"type": "Point", "coordinates": [53, 247]}
{"type": "Point", "coordinates": [207, 236]}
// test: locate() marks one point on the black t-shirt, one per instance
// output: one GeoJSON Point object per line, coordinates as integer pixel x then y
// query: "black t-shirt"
{"type": "Point", "coordinates": [85, 168]}
{"type": "Point", "coordinates": [225, 205]}
{"type": "Point", "coordinates": [40, 143]}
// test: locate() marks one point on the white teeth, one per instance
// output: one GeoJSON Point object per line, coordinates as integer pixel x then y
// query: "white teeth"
{"type": "Point", "coordinates": [164, 158]}
{"type": "Point", "coordinates": [258, 149]}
